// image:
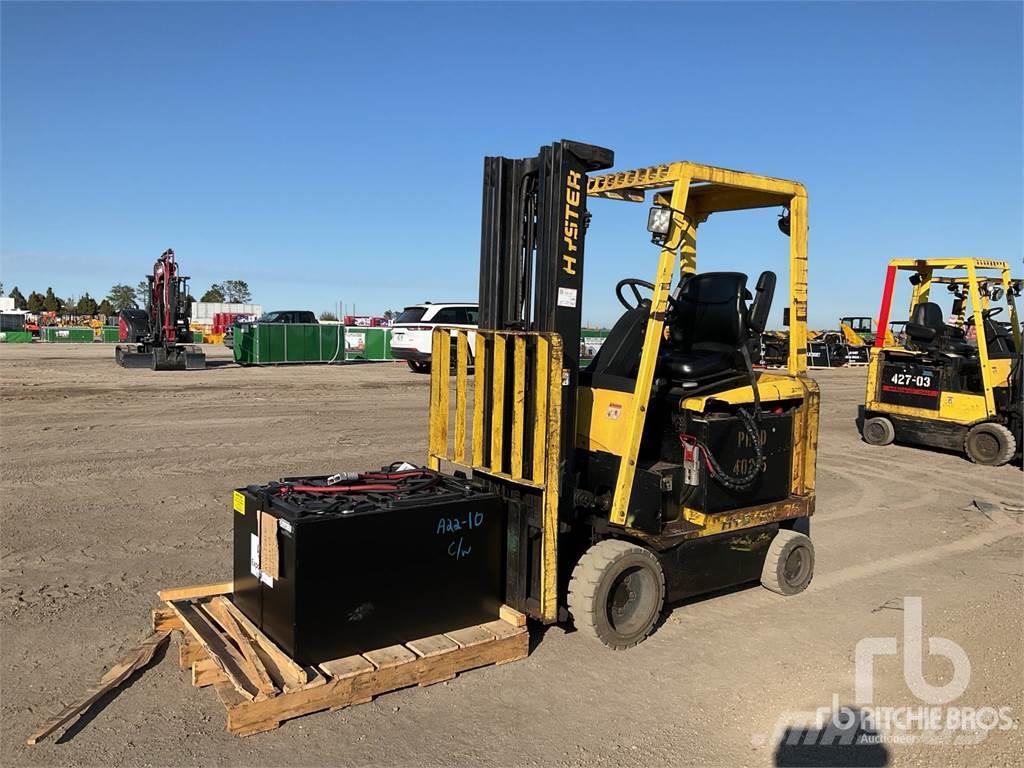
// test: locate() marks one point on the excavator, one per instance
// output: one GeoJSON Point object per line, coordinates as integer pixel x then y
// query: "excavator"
{"type": "Point", "coordinates": [158, 337]}
{"type": "Point", "coordinates": [668, 467]}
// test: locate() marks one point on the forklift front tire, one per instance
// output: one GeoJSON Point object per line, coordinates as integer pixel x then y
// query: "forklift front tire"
{"type": "Point", "coordinates": [990, 444]}
{"type": "Point", "coordinates": [616, 593]}
{"type": "Point", "coordinates": [878, 430]}
{"type": "Point", "coordinates": [789, 566]}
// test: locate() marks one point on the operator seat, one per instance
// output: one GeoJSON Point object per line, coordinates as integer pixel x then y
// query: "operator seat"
{"type": "Point", "coordinates": [710, 325]}
{"type": "Point", "coordinates": [927, 331]}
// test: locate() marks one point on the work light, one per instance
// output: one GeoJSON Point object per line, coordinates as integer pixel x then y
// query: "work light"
{"type": "Point", "coordinates": [659, 220]}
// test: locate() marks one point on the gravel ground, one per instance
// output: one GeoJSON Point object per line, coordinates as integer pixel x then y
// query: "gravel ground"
{"type": "Point", "coordinates": [117, 483]}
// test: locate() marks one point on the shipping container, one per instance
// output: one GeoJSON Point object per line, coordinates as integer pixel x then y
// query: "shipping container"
{"type": "Point", "coordinates": [15, 337]}
{"type": "Point", "coordinates": [203, 311]}
{"type": "Point", "coordinates": [53, 333]}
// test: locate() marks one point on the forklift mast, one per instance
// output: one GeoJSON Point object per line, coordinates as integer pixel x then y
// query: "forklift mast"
{"type": "Point", "coordinates": [532, 253]}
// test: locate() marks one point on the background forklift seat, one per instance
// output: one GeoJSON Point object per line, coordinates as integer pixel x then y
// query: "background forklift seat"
{"type": "Point", "coordinates": [710, 324]}
{"type": "Point", "coordinates": [927, 331]}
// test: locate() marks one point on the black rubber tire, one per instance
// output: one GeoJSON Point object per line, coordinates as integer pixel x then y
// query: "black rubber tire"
{"type": "Point", "coordinates": [878, 430]}
{"type": "Point", "coordinates": [610, 572]}
{"type": "Point", "coordinates": [418, 366]}
{"type": "Point", "coordinates": [990, 444]}
{"type": "Point", "coordinates": [789, 566]}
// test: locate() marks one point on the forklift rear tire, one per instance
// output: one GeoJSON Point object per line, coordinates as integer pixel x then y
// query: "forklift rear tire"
{"type": "Point", "coordinates": [990, 444]}
{"type": "Point", "coordinates": [616, 593]}
{"type": "Point", "coordinates": [789, 566]}
{"type": "Point", "coordinates": [878, 430]}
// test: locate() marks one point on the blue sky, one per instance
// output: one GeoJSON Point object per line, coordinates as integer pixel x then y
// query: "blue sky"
{"type": "Point", "coordinates": [333, 152]}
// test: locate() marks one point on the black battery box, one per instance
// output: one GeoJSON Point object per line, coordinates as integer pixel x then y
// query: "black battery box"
{"type": "Point", "coordinates": [728, 441]}
{"type": "Point", "coordinates": [329, 574]}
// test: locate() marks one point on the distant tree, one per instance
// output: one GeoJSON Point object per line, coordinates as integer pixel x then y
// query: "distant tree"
{"type": "Point", "coordinates": [389, 314]}
{"type": "Point", "coordinates": [326, 315]}
{"type": "Point", "coordinates": [1, 289]}
{"type": "Point", "coordinates": [19, 300]}
{"type": "Point", "coordinates": [106, 308]}
{"type": "Point", "coordinates": [36, 302]}
{"type": "Point", "coordinates": [190, 299]}
{"type": "Point", "coordinates": [122, 297]}
{"type": "Point", "coordinates": [215, 294]}
{"type": "Point", "coordinates": [236, 291]}
{"type": "Point", "coordinates": [87, 305]}
{"type": "Point", "coordinates": [142, 293]}
{"type": "Point", "coordinates": [51, 303]}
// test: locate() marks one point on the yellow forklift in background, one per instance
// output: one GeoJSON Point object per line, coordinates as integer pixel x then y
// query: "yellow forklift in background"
{"type": "Point", "coordinates": [937, 389]}
{"type": "Point", "coordinates": [668, 467]}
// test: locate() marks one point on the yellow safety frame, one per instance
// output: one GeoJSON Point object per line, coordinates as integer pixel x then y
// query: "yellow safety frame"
{"type": "Point", "coordinates": [694, 192]}
{"type": "Point", "coordinates": [956, 407]}
{"type": "Point", "coordinates": [502, 362]}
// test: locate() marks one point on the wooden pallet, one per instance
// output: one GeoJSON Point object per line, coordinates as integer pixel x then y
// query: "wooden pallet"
{"type": "Point", "coordinates": [261, 687]}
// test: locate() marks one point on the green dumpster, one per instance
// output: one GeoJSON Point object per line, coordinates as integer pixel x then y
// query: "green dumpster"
{"type": "Point", "coordinates": [15, 337]}
{"type": "Point", "coordinates": [367, 343]}
{"type": "Point", "coordinates": [278, 343]}
{"type": "Point", "coordinates": [57, 334]}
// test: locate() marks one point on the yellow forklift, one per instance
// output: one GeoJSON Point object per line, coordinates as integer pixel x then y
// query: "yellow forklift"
{"type": "Point", "coordinates": [938, 388]}
{"type": "Point", "coordinates": [667, 467]}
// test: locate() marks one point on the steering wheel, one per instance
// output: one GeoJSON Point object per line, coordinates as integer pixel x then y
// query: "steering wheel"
{"type": "Point", "coordinates": [634, 284]}
{"type": "Point", "coordinates": [986, 314]}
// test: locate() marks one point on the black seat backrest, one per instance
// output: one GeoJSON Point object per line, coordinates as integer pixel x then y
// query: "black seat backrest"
{"type": "Point", "coordinates": [998, 340]}
{"type": "Point", "coordinates": [710, 313]}
{"type": "Point", "coordinates": [619, 355]}
{"type": "Point", "coordinates": [926, 326]}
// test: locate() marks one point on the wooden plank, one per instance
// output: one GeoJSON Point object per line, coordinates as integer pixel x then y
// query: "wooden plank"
{"type": "Point", "coordinates": [392, 656]}
{"type": "Point", "coordinates": [501, 628]}
{"type": "Point", "coordinates": [227, 658]}
{"type": "Point", "coordinates": [470, 636]}
{"type": "Point", "coordinates": [279, 663]}
{"type": "Point", "coordinates": [164, 618]}
{"type": "Point", "coordinates": [256, 668]}
{"type": "Point", "coordinates": [189, 593]}
{"type": "Point", "coordinates": [206, 672]}
{"type": "Point", "coordinates": [256, 716]}
{"type": "Point", "coordinates": [132, 661]}
{"type": "Point", "coordinates": [432, 646]}
{"type": "Point", "coordinates": [189, 652]}
{"type": "Point", "coordinates": [512, 616]}
{"type": "Point", "coordinates": [346, 667]}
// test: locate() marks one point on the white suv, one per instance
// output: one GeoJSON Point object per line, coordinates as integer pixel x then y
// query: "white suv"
{"type": "Point", "coordinates": [411, 331]}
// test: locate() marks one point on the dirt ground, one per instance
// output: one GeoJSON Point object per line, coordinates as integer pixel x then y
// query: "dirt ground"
{"type": "Point", "coordinates": [117, 483]}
